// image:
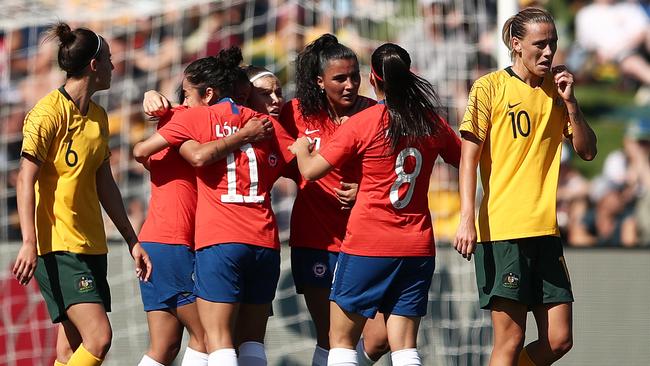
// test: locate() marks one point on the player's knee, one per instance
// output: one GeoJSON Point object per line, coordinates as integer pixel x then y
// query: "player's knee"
{"type": "Point", "coordinates": [165, 355]}
{"type": "Point", "coordinates": [99, 343]}
{"type": "Point", "coordinates": [63, 352]}
{"type": "Point", "coordinates": [512, 343]}
{"type": "Point", "coordinates": [561, 344]}
{"type": "Point", "coordinates": [376, 347]}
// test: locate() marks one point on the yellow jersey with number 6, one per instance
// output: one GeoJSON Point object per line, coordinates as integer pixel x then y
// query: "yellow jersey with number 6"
{"type": "Point", "coordinates": [522, 130]}
{"type": "Point", "coordinates": [70, 147]}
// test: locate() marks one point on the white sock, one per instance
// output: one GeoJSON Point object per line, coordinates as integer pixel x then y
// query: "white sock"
{"type": "Point", "coordinates": [342, 357]}
{"type": "Point", "coordinates": [320, 357]}
{"type": "Point", "coordinates": [194, 358]}
{"type": "Point", "coordinates": [362, 356]}
{"type": "Point", "coordinates": [223, 357]}
{"type": "Point", "coordinates": [406, 357]}
{"type": "Point", "coordinates": [252, 354]}
{"type": "Point", "coordinates": [148, 361]}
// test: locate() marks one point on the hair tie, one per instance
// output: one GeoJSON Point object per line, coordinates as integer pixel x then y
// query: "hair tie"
{"type": "Point", "coordinates": [261, 75]}
{"type": "Point", "coordinates": [372, 70]}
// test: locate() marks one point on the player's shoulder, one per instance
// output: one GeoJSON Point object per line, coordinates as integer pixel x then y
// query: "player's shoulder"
{"type": "Point", "coordinates": [365, 102]}
{"type": "Point", "coordinates": [291, 110]}
{"type": "Point", "coordinates": [369, 119]}
{"type": "Point", "coordinates": [493, 79]}
{"type": "Point", "coordinates": [293, 104]}
{"type": "Point", "coordinates": [376, 110]}
{"type": "Point", "coordinates": [52, 107]}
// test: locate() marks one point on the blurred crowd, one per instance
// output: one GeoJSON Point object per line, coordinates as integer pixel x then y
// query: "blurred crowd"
{"type": "Point", "coordinates": [452, 42]}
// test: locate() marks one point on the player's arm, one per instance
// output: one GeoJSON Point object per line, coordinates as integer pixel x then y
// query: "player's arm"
{"type": "Point", "coordinates": [583, 137]}
{"type": "Point", "coordinates": [155, 104]}
{"type": "Point", "coordinates": [111, 200]}
{"type": "Point", "coordinates": [144, 149]}
{"type": "Point", "coordinates": [451, 152]}
{"type": "Point", "coordinates": [199, 155]}
{"type": "Point", "coordinates": [311, 164]}
{"type": "Point", "coordinates": [465, 240]}
{"type": "Point", "coordinates": [28, 173]}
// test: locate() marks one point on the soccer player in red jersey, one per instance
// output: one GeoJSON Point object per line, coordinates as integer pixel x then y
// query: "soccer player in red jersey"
{"type": "Point", "coordinates": [387, 257]}
{"type": "Point", "coordinates": [168, 231]}
{"type": "Point", "coordinates": [327, 86]}
{"type": "Point", "coordinates": [236, 237]}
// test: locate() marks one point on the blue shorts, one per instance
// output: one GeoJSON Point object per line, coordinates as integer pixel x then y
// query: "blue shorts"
{"type": "Point", "coordinates": [312, 268]}
{"type": "Point", "coordinates": [236, 272]}
{"type": "Point", "coordinates": [391, 285]}
{"type": "Point", "coordinates": [171, 284]}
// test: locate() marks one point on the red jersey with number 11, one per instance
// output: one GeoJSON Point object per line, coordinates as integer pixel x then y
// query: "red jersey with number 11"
{"type": "Point", "coordinates": [391, 216]}
{"type": "Point", "coordinates": [234, 204]}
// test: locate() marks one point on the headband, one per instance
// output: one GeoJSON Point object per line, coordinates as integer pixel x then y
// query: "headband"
{"type": "Point", "coordinates": [372, 70]}
{"type": "Point", "coordinates": [261, 75]}
{"type": "Point", "coordinates": [99, 45]}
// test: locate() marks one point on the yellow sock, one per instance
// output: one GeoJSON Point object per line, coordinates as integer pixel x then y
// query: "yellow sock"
{"type": "Point", "coordinates": [81, 357]}
{"type": "Point", "coordinates": [57, 363]}
{"type": "Point", "coordinates": [524, 359]}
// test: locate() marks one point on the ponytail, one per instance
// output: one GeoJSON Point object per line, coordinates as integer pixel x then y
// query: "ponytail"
{"type": "Point", "coordinates": [412, 102]}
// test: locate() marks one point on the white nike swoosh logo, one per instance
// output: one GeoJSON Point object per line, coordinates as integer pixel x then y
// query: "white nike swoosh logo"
{"type": "Point", "coordinates": [309, 132]}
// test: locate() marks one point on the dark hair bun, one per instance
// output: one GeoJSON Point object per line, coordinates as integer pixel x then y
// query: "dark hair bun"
{"type": "Point", "coordinates": [230, 57]}
{"type": "Point", "coordinates": [64, 33]}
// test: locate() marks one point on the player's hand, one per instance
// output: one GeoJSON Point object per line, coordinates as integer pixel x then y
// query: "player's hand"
{"type": "Point", "coordinates": [25, 264]}
{"type": "Point", "coordinates": [564, 82]}
{"type": "Point", "coordinates": [257, 129]}
{"type": "Point", "coordinates": [143, 265]}
{"type": "Point", "coordinates": [155, 104]}
{"type": "Point", "coordinates": [347, 194]}
{"type": "Point", "coordinates": [302, 144]}
{"type": "Point", "coordinates": [465, 240]}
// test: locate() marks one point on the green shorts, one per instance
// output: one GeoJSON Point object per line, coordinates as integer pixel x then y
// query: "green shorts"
{"type": "Point", "coordinates": [67, 278]}
{"type": "Point", "coordinates": [531, 271]}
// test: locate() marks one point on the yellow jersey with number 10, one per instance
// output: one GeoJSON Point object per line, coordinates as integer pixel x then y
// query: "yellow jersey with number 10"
{"type": "Point", "coordinates": [522, 130]}
{"type": "Point", "coordinates": [71, 147]}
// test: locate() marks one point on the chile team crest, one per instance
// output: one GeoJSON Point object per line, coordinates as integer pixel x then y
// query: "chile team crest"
{"type": "Point", "coordinates": [273, 159]}
{"type": "Point", "coordinates": [320, 269]}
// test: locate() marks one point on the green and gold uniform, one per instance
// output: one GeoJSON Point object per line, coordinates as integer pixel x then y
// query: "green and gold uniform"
{"type": "Point", "coordinates": [70, 148]}
{"type": "Point", "coordinates": [522, 129]}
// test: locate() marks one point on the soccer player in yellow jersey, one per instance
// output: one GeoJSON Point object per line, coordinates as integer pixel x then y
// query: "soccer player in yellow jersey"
{"type": "Point", "coordinates": [513, 127]}
{"type": "Point", "coordinates": [64, 176]}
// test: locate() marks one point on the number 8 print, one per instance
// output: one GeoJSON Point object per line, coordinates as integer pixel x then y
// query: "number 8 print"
{"type": "Point", "coordinates": [403, 177]}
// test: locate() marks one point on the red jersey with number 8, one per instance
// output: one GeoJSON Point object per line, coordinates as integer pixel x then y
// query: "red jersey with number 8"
{"type": "Point", "coordinates": [391, 216]}
{"type": "Point", "coordinates": [234, 204]}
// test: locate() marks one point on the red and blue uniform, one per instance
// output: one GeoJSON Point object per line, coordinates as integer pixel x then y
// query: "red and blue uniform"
{"type": "Point", "coordinates": [168, 230]}
{"type": "Point", "coordinates": [234, 205]}
{"type": "Point", "coordinates": [387, 256]}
